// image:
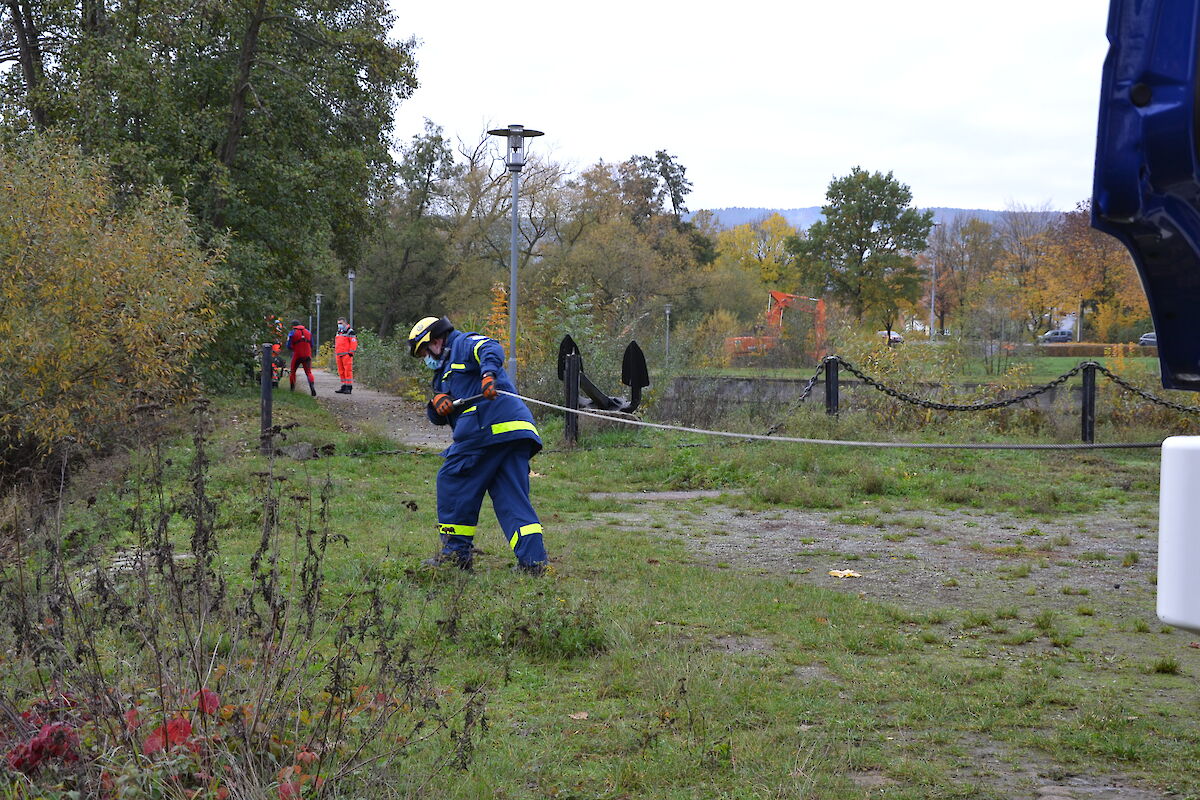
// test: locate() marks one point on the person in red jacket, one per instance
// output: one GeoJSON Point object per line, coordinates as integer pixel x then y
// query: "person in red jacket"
{"type": "Point", "coordinates": [299, 341]}
{"type": "Point", "coordinates": [344, 345]}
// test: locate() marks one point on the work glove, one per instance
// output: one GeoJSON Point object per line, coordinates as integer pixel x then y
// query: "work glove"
{"type": "Point", "coordinates": [443, 404]}
{"type": "Point", "coordinates": [489, 386]}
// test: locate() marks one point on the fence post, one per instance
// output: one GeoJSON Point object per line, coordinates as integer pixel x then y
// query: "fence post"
{"type": "Point", "coordinates": [831, 385]}
{"type": "Point", "coordinates": [1087, 411]}
{"type": "Point", "coordinates": [265, 385]}
{"type": "Point", "coordinates": [571, 388]}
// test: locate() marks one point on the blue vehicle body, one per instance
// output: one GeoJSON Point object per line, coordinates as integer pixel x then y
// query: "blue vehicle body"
{"type": "Point", "coordinates": [1147, 178]}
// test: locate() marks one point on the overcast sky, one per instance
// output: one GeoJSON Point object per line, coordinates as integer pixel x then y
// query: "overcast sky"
{"type": "Point", "coordinates": [972, 104]}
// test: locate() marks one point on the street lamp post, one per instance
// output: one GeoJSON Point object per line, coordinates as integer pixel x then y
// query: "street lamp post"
{"type": "Point", "coordinates": [515, 161]}
{"type": "Point", "coordinates": [350, 315]}
{"type": "Point", "coordinates": [933, 285]}
{"type": "Point", "coordinates": [932, 294]}
{"type": "Point", "coordinates": [667, 356]}
{"type": "Point", "coordinates": [317, 330]}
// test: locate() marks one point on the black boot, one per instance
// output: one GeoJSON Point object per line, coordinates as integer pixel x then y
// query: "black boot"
{"type": "Point", "coordinates": [349, 389]}
{"type": "Point", "coordinates": [292, 386]}
{"type": "Point", "coordinates": [466, 564]}
{"type": "Point", "coordinates": [312, 387]}
{"type": "Point", "coordinates": [340, 390]}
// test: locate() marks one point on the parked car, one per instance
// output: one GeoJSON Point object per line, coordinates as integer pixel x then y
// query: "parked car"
{"type": "Point", "coordinates": [1149, 339]}
{"type": "Point", "coordinates": [1056, 337]}
{"type": "Point", "coordinates": [895, 338]}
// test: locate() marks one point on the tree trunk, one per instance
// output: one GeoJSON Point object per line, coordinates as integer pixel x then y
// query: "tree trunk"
{"type": "Point", "coordinates": [241, 85]}
{"type": "Point", "coordinates": [237, 102]}
{"type": "Point", "coordinates": [29, 55]}
{"type": "Point", "coordinates": [93, 15]}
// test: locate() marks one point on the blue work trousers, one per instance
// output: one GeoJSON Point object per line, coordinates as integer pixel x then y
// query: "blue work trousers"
{"type": "Point", "coordinates": [503, 472]}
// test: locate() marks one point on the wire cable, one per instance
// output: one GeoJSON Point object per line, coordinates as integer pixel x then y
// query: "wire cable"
{"type": "Point", "coordinates": [840, 442]}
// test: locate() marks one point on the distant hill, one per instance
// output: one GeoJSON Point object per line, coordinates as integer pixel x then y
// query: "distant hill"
{"type": "Point", "coordinates": [801, 218]}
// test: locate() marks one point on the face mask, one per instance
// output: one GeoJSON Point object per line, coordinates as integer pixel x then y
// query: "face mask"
{"type": "Point", "coordinates": [432, 362]}
{"type": "Point", "coordinates": [342, 328]}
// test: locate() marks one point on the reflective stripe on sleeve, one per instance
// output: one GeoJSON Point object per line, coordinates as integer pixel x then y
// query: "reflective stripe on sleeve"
{"type": "Point", "coordinates": [515, 425]}
{"type": "Point", "coordinates": [448, 529]}
{"type": "Point", "coordinates": [458, 366]}
{"type": "Point", "coordinates": [524, 530]}
{"type": "Point", "coordinates": [475, 352]}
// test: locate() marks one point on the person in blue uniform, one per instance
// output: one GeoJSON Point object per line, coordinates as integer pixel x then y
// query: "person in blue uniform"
{"type": "Point", "coordinates": [494, 439]}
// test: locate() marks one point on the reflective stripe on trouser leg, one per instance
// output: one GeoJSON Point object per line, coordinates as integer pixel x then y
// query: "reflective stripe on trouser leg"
{"type": "Point", "coordinates": [459, 496]}
{"type": "Point", "coordinates": [457, 540]}
{"type": "Point", "coordinates": [527, 544]}
{"type": "Point", "coordinates": [509, 491]}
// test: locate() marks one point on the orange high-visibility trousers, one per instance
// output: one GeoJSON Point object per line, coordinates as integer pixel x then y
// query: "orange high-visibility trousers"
{"type": "Point", "coordinates": [345, 367]}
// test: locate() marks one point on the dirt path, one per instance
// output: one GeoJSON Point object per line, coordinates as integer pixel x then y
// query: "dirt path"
{"type": "Point", "coordinates": [366, 409]}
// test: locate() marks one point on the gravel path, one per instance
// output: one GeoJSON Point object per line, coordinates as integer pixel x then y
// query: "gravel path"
{"type": "Point", "coordinates": [366, 409]}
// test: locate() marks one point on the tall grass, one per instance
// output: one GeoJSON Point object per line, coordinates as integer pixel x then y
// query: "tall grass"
{"type": "Point", "coordinates": [157, 671]}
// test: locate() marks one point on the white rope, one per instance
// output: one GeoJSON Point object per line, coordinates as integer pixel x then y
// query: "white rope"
{"type": "Point", "coordinates": [839, 442]}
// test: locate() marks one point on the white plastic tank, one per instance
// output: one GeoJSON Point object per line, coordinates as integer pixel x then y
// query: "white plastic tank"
{"type": "Point", "coordinates": [1179, 533]}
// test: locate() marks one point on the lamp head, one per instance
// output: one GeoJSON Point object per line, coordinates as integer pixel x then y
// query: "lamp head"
{"type": "Point", "coordinates": [516, 134]}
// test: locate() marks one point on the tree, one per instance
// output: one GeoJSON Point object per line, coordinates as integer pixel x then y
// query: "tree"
{"type": "Point", "coordinates": [477, 207]}
{"type": "Point", "coordinates": [106, 303]}
{"type": "Point", "coordinates": [614, 241]}
{"type": "Point", "coordinates": [966, 252]}
{"type": "Point", "coordinates": [863, 251]}
{"type": "Point", "coordinates": [270, 118]}
{"type": "Point", "coordinates": [664, 178]}
{"type": "Point", "coordinates": [1024, 236]}
{"type": "Point", "coordinates": [1093, 272]}
{"type": "Point", "coordinates": [406, 266]}
{"type": "Point", "coordinates": [761, 249]}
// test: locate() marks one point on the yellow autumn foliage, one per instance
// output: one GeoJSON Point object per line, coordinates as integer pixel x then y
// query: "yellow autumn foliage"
{"type": "Point", "coordinates": [104, 301]}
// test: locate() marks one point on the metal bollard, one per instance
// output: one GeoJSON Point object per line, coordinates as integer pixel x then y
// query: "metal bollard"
{"type": "Point", "coordinates": [267, 397]}
{"type": "Point", "coordinates": [831, 385]}
{"type": "Point", "coordinates": [1087, 411]}
{"type": "Point", "coordinates": [571, 386]}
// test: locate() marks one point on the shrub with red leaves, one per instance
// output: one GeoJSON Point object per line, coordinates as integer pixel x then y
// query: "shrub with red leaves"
{"type": "Point", "coordinates": [176, 731]}
{"type": "Point", "coordinates": [207, 701]}
{"type": "Point", "coordinates": [54, 740]}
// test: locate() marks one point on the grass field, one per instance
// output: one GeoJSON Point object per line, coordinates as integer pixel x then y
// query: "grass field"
{"type": "Point", "coordinates": [638, 669]}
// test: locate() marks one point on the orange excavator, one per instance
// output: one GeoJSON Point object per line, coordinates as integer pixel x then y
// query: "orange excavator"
{"type": "Point", "coordinates": [766, 336]}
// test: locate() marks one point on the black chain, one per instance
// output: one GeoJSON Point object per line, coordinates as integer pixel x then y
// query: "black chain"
{"type": "Point", "coordinates": [1129, 387]}
{"type": "Point", "coordinates": [804, 395]}
{"type": "Point", "coordinates": [916, 401]}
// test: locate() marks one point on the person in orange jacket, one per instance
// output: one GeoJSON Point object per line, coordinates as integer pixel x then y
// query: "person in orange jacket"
{"type": "Point", "coordinates": [299, 341]}
{"type": "Point", "coordinates": [344, 345]}
{"type": "Point", "coordinates": [276, 364]}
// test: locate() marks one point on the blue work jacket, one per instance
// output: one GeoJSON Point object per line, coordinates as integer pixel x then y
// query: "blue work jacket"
{"type": "Point", "coordinates": [465, 358]}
